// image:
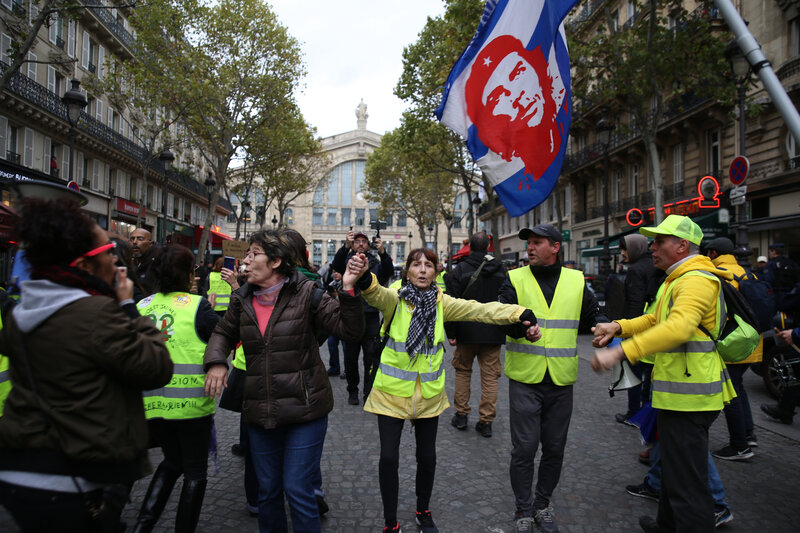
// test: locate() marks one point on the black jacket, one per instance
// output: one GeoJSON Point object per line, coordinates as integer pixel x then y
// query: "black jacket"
{"type": "Point", "coordinates": [145, 272]}
{"type": "Point", "coordinates": [641, 284]}
{"type": "Point", "coordinates": [485, 289]}
{"type": "Point", "coordinates": [383, 268]}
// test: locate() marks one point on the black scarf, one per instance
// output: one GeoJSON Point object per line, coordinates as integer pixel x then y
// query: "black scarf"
{"type": "Point", "coordinates": [423, 320]}
{"type": "Point", "coordinates": [74, 277]}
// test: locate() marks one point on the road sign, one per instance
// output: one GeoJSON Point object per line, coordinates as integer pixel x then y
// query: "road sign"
{"type": "Point", "coordinates": [736, 192]}
{"type": "Point", "coordinates": [74, 186]}
{"type": "Point", "coordinates": [738, 170]}
{"type": "Point", "coordinates": [739, 200]}
{"type": "Point", "coordinates": [566, 235]}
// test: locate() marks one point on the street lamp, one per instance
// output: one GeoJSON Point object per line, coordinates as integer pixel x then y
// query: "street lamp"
{"type": "Point", "coordinates": [448, 218]}
{"type": "Point", "coordinates": [166, 157]}
{"type": "Point", "coordinates": [274, 221]}
{"type": "Point", "coordinates": [740, 67]}
{"type": "Point", "coordinates": [603, 130]}
{"type": "Point", "coordinates": [245, 214]}
{"type": "Point", "coordinates": [476, 202]}
{"type": "Point", "coordinates": [75, 102]}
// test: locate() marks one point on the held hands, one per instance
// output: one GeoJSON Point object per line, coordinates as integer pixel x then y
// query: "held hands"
{"type": "Point", "coordinates": [356, 267]}
{"type": "Point", "coordinates": [606, 358]}
{"type": "Point", "coordinates": [604, 332]}
{"type": "Point", "coordinates": [533, 333]}
{"type": "Point", "coordinates": [216, 380]}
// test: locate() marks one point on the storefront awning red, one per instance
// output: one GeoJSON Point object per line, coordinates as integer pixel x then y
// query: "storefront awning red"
{"type": "Point", "coordinates": [215, 237]}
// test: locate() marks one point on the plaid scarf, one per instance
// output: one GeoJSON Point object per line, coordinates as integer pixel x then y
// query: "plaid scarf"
{"type": "Point", "coordinates": [74, 277]}
{"type": "Point", "coordinates": [423, 320]}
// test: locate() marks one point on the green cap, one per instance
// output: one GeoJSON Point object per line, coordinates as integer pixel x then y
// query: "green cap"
{"type": "Point", "coordinates": [677, 226]}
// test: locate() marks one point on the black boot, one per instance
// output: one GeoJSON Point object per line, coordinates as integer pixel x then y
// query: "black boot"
{"type": "Point", "coordinates": [190, 504]}
{"type": "Point", "coordinates": [156, 498]}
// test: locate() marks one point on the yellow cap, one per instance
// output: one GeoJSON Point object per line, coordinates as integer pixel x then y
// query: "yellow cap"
{"type": "Point", "coordinates": [677, 226]}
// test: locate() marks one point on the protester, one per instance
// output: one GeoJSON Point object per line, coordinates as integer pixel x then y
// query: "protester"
{"type": "Point", "coordinates": [124, 254]}
{"type": "Point", "coordinates": [541, 372]}
{"type": "Point", "coordinates": [689, 380]}
{"type": "Point", "coordinates": [73, 436]}
{"type": "Point", "coordinates": [219, 289]}
{"type": "Point", "coordinates": [409, 384]}
{"type": "Point", "coordinates": [478, 277]}
{"type": "Point", "coordinates": [761, 262]}
{"type": "Point", "coordinates": [781, 272]}
{"type": "Point", "coordinates": [144, 253]}
{"type": "Point", "coordinates": [380, 264]}
{"type": "Point", "coordinates": [287, 395]}
{"type": "Point", "coordinates": [180, 414]}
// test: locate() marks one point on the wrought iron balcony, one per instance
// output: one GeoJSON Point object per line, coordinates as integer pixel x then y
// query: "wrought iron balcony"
{"type": "Point", "coordinates": [61, 43]}
{"type": "Point", "coordinates": [12, 156]}
{"type": "Point", "coordinates": [104, 14]}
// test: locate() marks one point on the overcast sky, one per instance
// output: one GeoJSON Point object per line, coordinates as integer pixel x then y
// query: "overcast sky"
{"type": "Point", "coordinates": [353, 50]}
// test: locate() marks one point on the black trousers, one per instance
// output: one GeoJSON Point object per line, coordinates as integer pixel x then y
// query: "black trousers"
{"type": "Point", "coordinates": [686, 504]}
{"type": "Point", "coordinates": [36, 510]}
{"type": "Point", "coordinates": [390, 430]}
{"type": "Point", "coordinates": [370, 343]}
{"type": "Point", "coordinates": [184, 443]}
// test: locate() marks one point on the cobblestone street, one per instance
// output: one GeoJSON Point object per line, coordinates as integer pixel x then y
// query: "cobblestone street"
{"type": "Point", "coordinates": [472, 491]}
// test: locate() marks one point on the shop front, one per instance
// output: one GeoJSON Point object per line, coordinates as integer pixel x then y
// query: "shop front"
{"type": "Point", "coordinates": [215, 238]}
{"type": "Point", "coordinates": [124, 217]}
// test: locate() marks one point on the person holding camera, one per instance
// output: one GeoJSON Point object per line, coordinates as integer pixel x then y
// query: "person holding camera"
{"type": "Point", "coordinates": [380, 264]}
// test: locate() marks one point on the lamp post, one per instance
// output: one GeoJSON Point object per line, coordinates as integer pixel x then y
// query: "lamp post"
{"type": "Point", "coordinates": [75, 102]}
{"type": "Point", "coordinates": [448, 219]}
{"type": "Point", "coordinates": [245, 214]}
{"type": "Point", "coordinates": [274, 221]}
{"type": "Point", "coordinates": [740, 68]}
{"type": "Point", "coordinates": [476, 202]}
{"type": "Point", "coordinates": [166, 157]}
{"type": "Point", "coordinates": [603, 130]}
{"type": "Point", "coordinates": [410, 235]}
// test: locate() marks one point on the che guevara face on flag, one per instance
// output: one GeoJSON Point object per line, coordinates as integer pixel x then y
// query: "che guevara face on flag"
{"type": "Point", "coordinates": [513, 102]}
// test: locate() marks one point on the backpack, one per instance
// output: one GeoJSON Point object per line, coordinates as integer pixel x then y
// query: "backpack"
{"type": "Point", "coordinates": [738, 333]}
{"type": "Point", "coordinates": [759, 295]}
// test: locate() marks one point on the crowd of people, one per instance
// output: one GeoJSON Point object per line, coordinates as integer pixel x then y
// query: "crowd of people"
{"type": "Point", "coordinates": [116, 346]}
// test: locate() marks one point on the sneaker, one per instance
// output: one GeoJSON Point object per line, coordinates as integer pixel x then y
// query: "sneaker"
{"type": "Point", "coordinates": [773, 411]}
{"type": "Point", "coordinates": [395, 529]}
{"type": "Point", "coordinates": [484, 428]}
{"type": "Point", "coordinates": [459, 421]}
{"type": "Point", "coordinates": [523, 524]}
{"type": "Point", "coordinates": [322, 506]}
{"type": "Point", "coordinates": [729, 453]}
{"type": "Point", "coordinates": [545, 520]}
{"type": "Point", "coordinates": [752, 441]}
{"type": "Point", "coordinates": [642, 490]}
{"type": "Point", "coordinates": [722, 517]}
{"type": "Point", "coordinates": [425, 522]}
{"type": "Point", "coordinates": [333, 371]}
{"type": "Point", "coordinates": [353, 399]}
{"type": "Point", "coordinates": [625, 418]}
{"type": "Point", "coordinates": [237, 450]}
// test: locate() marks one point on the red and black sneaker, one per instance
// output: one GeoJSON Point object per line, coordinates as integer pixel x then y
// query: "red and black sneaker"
{"type": "Point", "coordinates": [395, 529]}
{"type": "Point", "coordinates": [425, 522]}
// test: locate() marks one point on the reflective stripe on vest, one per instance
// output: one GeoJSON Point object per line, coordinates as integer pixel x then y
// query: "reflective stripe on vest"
{"type": "Point", "coordinates": [557, 351]}
{"type": "Point", "coordinates": [692, 376]}
{"type": "Point", "coordinates": [398, 372]}
{"type": "Point", "coordinates": [221, 288]}
{"type": "Point", "coordinates": [184, 396]}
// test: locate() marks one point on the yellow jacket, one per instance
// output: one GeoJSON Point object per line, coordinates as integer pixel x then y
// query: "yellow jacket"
{"type": "Point", "coordinates": [728, 262]}
{"type": "Point", "coordinates": [694, 302]}
{"type": "Point", "coordinates": [453, 309]}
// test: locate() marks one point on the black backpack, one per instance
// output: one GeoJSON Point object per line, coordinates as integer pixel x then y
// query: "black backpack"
{"type": "Point", "coordinates": [760, 297]}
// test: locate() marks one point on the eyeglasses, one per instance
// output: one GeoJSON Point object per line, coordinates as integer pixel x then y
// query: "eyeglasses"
{"type": "Point", "coordinates": [251, 253]}
{"type": "Point", "coordinates": [110, 247]}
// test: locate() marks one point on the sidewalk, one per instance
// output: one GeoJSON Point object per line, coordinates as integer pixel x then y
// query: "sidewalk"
{"type": "Point", "coordinates": [472, 491]}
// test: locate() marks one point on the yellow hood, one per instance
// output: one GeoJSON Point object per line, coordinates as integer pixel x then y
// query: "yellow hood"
{"type": "Point", "coordinates": [699, 262]}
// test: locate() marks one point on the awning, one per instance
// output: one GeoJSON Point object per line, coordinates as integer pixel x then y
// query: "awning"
{"type": "Point", "coordinates": [597, 251]}
{"type": "Point", "coordinates": [215, 238]}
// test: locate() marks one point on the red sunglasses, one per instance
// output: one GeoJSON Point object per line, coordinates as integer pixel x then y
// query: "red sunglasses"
{"type": "Point", "coordinates": [96, 251]}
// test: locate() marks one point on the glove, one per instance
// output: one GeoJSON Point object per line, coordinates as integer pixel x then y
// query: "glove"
{"type": "Point", "coordinates": [528, 316]}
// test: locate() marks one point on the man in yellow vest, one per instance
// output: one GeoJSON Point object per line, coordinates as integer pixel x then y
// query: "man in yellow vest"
{"type": "Point", "coordinates": [541, 374]}
{"type": "Point", "coordinates": [690, 383]}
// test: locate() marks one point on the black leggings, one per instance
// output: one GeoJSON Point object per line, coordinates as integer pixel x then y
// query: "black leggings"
{"type": "Point", "coordinates": [184, 443]}
{"type": "Point", "coordinates": [390, 430]}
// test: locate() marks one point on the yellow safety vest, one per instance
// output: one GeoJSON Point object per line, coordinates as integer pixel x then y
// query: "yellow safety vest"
{"type": "Point", "coordinates": [440, 281]}
{"type": "Point", "coordinates": [557, 351]}
{"type": "Point", "coordinates": [184, 397]}
{"type": "Point", "coordinates": [398, 372]}
{"type": "Point", "coordinates": [238, 358]}
{"type": "Point", "coordinates": [5, 381]}
{"type": "Point", "coordinates": [221, 288]}
{"type": "Point", "coordinates": [692, 376]}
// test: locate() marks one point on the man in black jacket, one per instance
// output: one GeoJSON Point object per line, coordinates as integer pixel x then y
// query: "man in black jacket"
{"type": "Point", "coordinates": [380, 264]}
{"type": "Point", "coordinates": [476, 340]}
{"type": "Point", "coordinates": [144, 252]}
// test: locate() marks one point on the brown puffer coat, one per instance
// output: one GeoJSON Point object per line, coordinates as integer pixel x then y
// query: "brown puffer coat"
{"type": "Point", "coordinates": [286, 382]}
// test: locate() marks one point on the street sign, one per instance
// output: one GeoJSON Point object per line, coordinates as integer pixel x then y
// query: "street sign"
{"type": "Point", "coordinates": [566, 235]}
{"type": "Point", "coordinates": [739, 200]}
{"type": "Point", "coordinates": [738, 170]}
{"type": "Point", "coordinates": [736, 192]}
{"type": "Point", "coordinates": [74, 186]}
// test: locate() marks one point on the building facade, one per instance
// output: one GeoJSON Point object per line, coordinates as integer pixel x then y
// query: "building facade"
{"type": "Point", "coordinates": [700, 140]}
{"type": "Point", "coordinates": [110, 161]}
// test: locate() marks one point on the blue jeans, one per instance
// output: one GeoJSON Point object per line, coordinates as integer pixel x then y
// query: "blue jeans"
{"type": "Point", "coordinates": [653, 478]}
{"type": "Point", "coordinates": [286, 459]}
{"type": "Point", "coordinates": [333, 351]}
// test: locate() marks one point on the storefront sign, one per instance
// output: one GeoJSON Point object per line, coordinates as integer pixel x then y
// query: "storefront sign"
{"type": "Point", "coordinates": [129, 208]}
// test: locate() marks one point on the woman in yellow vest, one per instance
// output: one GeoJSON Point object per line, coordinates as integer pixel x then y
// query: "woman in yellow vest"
{"type": "Point", "coordinates": [179, 414]}
{"type": "Point", "coordinates": [409, 384]}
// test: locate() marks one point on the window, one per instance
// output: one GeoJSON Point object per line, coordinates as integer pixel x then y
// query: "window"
{"type": "Point", "coordinates": [360, 175]}
{"type": "Point", "coordinates": [616, 186]}
{"type": "Point", "coordinates": [317, 251]}
{"type": "Point", "coordinates": [331, 219]}
{"type": "Point", "coordinates": [359, 217]}
{"type": "Point", "coordinates": [631, 9]}
{"type": "Point", "coordinates": [71, 33]}
{"type": "Point", "coordinates": [794, 37]}
{"type": "Point", "coordinates": [32, 66]}
{"type": "Point", "coordinates": [373, 216]}
{"type": "Point", "coordinates": [714, 156]}
{"type": "Point", "coordinates": [331, 251]}
{"type": "Point", "coordinates": [346, 217]}
{"type": "Point", "coordinates": [5, 46]}
{"type": "Point", "coordinates": [677, 163]}
{"type": "Point", "coordinates": [402, 221]}
{"type": "Point", "coordinates": [401, 253]}
{"type": "Point", "coordinates": [633, 184]}
{"type": "Point", "coordinates": [319, 195]}
{"type": "Point", "coordinates": [333, 187]}
{"type": "Point", "coordinates": [27, 152]}
{"type": "Point", "coordinates": [599, 187]}
{"type": "Point", "coordinates": [47, 152]}
{"type": "Point", "coordinates": [316, 216]}
{"type": "Point", "coordinates": [614, 21]}
{"type": "Point", "coordinates": [347, 183]}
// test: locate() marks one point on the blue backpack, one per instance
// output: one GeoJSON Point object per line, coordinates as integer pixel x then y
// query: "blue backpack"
{"type": "Point", "coordinates": [759, 295]}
